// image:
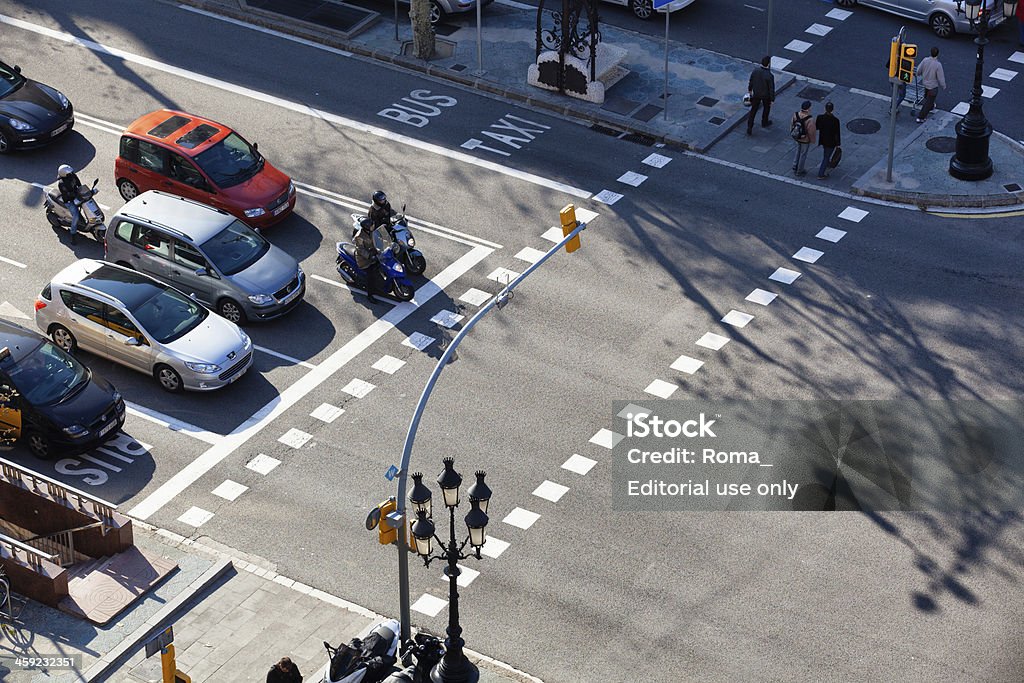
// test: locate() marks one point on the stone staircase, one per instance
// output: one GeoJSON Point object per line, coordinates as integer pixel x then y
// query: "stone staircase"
{"type": "Point", "coordinates": [98, 589]}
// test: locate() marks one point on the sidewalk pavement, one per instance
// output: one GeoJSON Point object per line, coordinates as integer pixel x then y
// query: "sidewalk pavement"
{"type": "Point", "coordinates": [233, 617]}
{"type": "Point", "coordinates": [705, 111]}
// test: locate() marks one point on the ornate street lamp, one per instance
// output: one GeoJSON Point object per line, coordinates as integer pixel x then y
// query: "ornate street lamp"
{"type": "Point", "coordinates": [455, 667]}
{"type": "Point", "coordinates": [971, 161]}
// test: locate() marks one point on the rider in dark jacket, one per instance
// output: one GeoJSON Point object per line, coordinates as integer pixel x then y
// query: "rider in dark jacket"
{"type": "Point", "coordinates": [367, 257]}
{"type": "Point", "coordinates": [380, 211]}
{"type": "Point", "coordinates": [68, 184]}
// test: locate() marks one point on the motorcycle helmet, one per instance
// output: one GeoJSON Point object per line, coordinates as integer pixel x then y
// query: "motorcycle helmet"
{"type": "Point", "coordinates": [379, 198]}
{"type": "Point", "coordinates": [366, 224]}
{"type": "Point", "coordinates": [64, 170]}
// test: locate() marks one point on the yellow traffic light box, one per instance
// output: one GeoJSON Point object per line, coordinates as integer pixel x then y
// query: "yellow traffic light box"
{"type": "Point", "coordinates": [569, 223]}
{"type": "Point", "coordinates": [908, 53]}
{"type": "Point", "coordinates": [386, 533]}
{"type": "Point", "coordinates": [894, 57]}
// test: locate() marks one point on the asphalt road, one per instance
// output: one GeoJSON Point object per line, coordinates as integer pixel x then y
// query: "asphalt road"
{"type": "Point", "coordinates": [905, 305]}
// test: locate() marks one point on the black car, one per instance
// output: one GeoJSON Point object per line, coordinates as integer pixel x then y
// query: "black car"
{"type": "Point", "coordinates": [31, 114]}
{"type": "Point", "coordinates": [51, 401]}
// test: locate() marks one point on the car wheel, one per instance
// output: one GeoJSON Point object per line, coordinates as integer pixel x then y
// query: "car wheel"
{"type": "Point", "coordinates": [846, 3]}
{"type": "Point", "coordinates": [39, 445]}
{"type": "Point", "coordinates": [642, 8]}
{"type": "Point", "coordinates": [231, 310]}
{"type": "Point", "coordinates": [5, 145]}
{"type": "Point", "coordinates": [168, 378]}
{"type": "Point", "coordinates": [128, 189]}
{"type": "Point", "coordinates": [941, 25]}
{"type": "Point", "coordinates": [436, 13]}
{"type": "Point", "coordinates": [63, 338]}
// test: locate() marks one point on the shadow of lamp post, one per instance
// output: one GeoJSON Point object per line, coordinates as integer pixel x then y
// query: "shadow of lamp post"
{"type": "Point", "coordinates": [454, 667]}
{"type": "Point", "coordinates": [971, 161]}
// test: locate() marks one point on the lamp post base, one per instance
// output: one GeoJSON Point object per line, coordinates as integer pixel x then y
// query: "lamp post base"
{"type": "Point", "coordinates": [971, 161]}
{"type": "Point", "coordinates": [463, 671]}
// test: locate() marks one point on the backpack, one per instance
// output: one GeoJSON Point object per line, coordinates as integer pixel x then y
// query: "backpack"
{"type": "Point", "coordinates": [799, 129]}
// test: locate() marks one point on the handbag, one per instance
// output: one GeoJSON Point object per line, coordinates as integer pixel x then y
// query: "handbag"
{"type": "Point", "coordinates": [746, 99]}
{"type": "Point", "coordinates": [836, 157]}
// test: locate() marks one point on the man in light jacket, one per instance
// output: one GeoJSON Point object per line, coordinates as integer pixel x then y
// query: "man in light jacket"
{"type": "Point", "coordinates": [929, 73]}
{"type": "Point", "coordinates": [803, 143]}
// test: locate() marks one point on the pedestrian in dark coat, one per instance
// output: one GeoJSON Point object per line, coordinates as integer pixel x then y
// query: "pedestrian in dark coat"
{"type": "Point", "coordinates": [761, 88]}
{"type": "Point", "coordinates": [828, 128]}
{"type": "Point", "coordinates": [284, 671]}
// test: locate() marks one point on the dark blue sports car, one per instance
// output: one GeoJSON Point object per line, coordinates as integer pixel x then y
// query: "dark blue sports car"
{"type": "Point", "coordinates": [31, 114]}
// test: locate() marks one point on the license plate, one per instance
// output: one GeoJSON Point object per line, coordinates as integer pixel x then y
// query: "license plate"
{"type": "Point", "coordinates": [281, 209]}
{"type": "Point", "coordinates": [59, 131]}
{"type": "Point", "coordinates": [106, 430]}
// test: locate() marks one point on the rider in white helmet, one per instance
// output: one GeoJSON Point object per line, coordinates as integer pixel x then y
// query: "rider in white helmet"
{"type": "Point", "coordinates": [68, 184]}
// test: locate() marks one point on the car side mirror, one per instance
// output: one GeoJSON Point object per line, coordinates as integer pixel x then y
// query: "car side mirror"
{"type": "Point", "coordinates": [17, 69]}
{"type": "Point", "coordinates": [202, 272]}
{"type": "Point", "coordinates": [131, 341]}
{"type": "Point", "coordinates": [256, 146]}
{"type": "Point", "coordinates": [95, 183]}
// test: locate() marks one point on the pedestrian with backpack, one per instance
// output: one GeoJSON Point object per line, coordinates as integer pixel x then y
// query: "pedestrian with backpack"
{"type": "Point", "coordinates": [802, 130]}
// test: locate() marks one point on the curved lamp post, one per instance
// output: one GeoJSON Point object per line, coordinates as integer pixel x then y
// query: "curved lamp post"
{"type": "Point", "coordinates": [971, 161]}
{"type": "Point", "coordinates": [454, 667]}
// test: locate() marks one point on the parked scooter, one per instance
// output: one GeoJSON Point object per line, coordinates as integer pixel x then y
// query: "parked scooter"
{"type": "Point", "coordinates": [365, 660]}
{"type": "Point", "coordinates": [91, 218]}
{"type": "Point", "coordinates": [411, 257]}
{"type": "Point", "coordinates": [394, 278]}
{"type": "Point", "coordinates": [426, 651]}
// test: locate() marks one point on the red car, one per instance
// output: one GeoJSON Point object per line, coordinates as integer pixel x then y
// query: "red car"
{"type": "Point", "coordinates": [201, 159]}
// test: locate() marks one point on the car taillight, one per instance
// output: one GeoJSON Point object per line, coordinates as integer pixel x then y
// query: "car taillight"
{"type": "Point", "coordinates": [40, 304]}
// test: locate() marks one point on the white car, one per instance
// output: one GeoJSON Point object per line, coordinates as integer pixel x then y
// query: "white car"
{"type": "Point", "coordinates": [645, 8]}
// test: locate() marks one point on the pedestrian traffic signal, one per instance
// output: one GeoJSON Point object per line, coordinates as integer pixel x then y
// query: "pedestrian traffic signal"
{"type": "Point", "coordinates": [386, 533]}
{"type": "Point", "coordinates": [569, 223]}
{"type": "Point", "coordinates": [894, 57]}
{"type": "Point", "coordinates": [908, 53]}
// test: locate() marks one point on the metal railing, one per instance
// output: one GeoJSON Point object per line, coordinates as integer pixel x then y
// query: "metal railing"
{"type": "Point", "coordinates": [81, 501]}
{"type": "Point", "coordinates": [34, 557]}
{"type": "Point", "coordinates": [61, 542]}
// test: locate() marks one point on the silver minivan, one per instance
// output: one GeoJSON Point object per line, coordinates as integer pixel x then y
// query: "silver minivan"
{"type": "Point", "coordinates": [208, 253]}
{"type": "Point", "coordinates": [946, 17]}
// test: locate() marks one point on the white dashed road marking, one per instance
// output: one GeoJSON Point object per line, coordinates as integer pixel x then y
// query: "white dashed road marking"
{"type": "Point", "coordinates": [784, 275]}
{"type": "Point", "coordinates": [607, 197]}
{"type": "Point", "coordinates": [503, 276]}
{"type": "Point", "coordinates": [466, 576]}
{"type": "Point", "coordinates": [840, 14]}
{"type": "Point", "coordinates": [737, 318]}
{"type": "Point", "coordinates": [687, 364]}
{"type": "Point", "coordinates": [657, 160]}
{"type": "Point", "coordinates": [494, 547]}
{"type": "Point", "coordinates": [262, 464]}
{"type": "Point", "coordinates": [418, 341]}
{"type": "Point", "coordinates": [476, 297]}
{"type": "Point", "coordinates": [712, 341]}
{"type": "Point", "coordinates": [606, 438]}
{"type": "Point", "coordinates": [447, 319]}
{"type": "Point", "coordinates": [358, 388]}
{"type": "Point", "coordinates": [196, 517]}
{"type": "Point", "coordinates": [579, 464]}
{"type": "Point", "coordinates": [854, 214]}
{"type": "Point", "coordinates": [429, 605]}
{"type": "Point", "coordinates": [818, 29]}
{"type": "Point", "coordinates": [633, 409]}
{"type": "Point", "coordinates": [632, 178]}
{"type": "Point", "coordinates": [831, 234]}
{"type": "Point", "coordinates": [18, 264]}
{"type": "Point", "coordinates": [661, 388]}
{"type": "Point", "coordinates": [761, 296]}
{"type": "Point", "coordinates": [388, 364]}
{"type": "Point", "coordinates": [531, 255]}
{"type": "Point", "coordinates": [296, 438]}
{"type": "Point", "coordinates": [799, 45]}
{"type": "Point", "coordinates": [549, 490]}
{"type": "Point", "coordinates": [808, 255]}
{"type": "Point", "coordinates": [1003, 74]}
{"type": "Point", "coordinates": [325, 412]}
{"type": "Point", "coordinates": [554, 234]}
{"type": "Point", "coordinates": [230, 490]}
{"type": "Point", "coordinates": [520, 518]}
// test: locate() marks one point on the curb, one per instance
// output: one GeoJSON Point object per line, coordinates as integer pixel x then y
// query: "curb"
{"type": "Point", "coordinates": [110, 661]}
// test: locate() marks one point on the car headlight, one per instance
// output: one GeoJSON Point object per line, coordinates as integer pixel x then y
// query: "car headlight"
{"type": "Point", "coordinates": [254, 213]}
{"type": "Point", "coordinates": [260, 299]}
{"type": "Point", "coordinates": [64, 104]}
{"type": "Point", "coordinates": [204, 368]}
{"type": "Point", "coordinates": [245, 340]}
{"type": "Point", "coordinates": [76, 431]}
{"type": "Point", "coordinates": [412, 241]}
{"type": "Point", "coordinates": [18, 124]}
{"type": "Point", "coordinates": [399, 268]}
{"type": "Point", "coordinates": [291, 188]}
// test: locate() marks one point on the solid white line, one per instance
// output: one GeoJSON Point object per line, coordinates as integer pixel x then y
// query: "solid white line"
{"type": "Point", "coordinates": [293, 361]}
{"type": "Point", "coordinates": [345, 285]}
{"type": "Point", "coordinates": [173, 424]}
{"type": "Point", "coordinates": [13, 262]}
{"type": "Point", "coordinates": [297, 107]}
{"type": "Point", "coordinates": [361, 207]}
{"type": "Point", "coordinates": [105, 129]}
{"type": "Point", "coordinates": [269, 31]}
{"type": "Point", "coordinates": [308, 383]}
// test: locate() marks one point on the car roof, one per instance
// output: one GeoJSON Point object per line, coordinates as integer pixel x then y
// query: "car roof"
{"type": "Point", "coordinates": [196, 221]}
{"type": "Point", "coordinates": [129, 287]}
{"type": "Point", "coordinates": [187, 133]}
{"type": "Point", "coordinates": [18, 340]}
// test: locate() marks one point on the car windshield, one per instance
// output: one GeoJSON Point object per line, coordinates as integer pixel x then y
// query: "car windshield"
{"type": "Point", "coordinates": [48, 375]}
{"type": "Point", "coordinates": [231, 161]}
{"type": "Point", "coordinates": [235, 248]}
{"type": "Point", "coordinates": [169, 315]}
{"type": "Point", "coordinates": [10, 80]}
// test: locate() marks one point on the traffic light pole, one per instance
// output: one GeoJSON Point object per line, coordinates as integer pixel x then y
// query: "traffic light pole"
{"type": "Point", "coordinates": [894, 60]}
{"type": "Point", "coordinates": [403, 475]}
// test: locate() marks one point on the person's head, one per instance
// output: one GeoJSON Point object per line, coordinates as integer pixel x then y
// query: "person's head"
{"type": "Point", "coordinates": [285, 664]}
{"type": "Point", "coordinates": [828, 107]}
{"type": "Point", "coordinates": [379, 198]}
{"type": "Point", "coordinates": [806, 106]}
{"type": "Point", "coordinates": [366, 224]}
{"type": "Point", "coordinates": [64, 170]}
{"type": "Point", "coordinates": [935, 52]}
{"type": "Point", "coordinates": [766, 60]}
